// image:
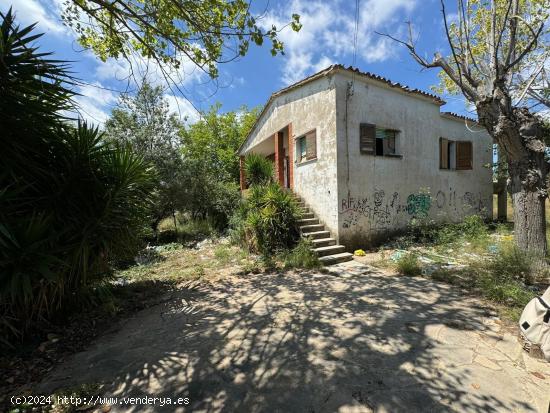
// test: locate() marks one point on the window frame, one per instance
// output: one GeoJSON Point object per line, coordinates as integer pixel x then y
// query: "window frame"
{"type": "Point", "coordinates": [369, 140]}
{"type": "Point", "coordinates": [300, 156]}
{"type": "Point", "coordinates": [457, 146]}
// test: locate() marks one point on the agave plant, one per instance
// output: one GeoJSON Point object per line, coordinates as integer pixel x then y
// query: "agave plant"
{"type": "Point", "coordinates": [69, 202]}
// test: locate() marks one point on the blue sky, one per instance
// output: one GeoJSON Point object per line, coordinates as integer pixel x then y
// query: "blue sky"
{"type": "Point", "coordinates": [326, 38]}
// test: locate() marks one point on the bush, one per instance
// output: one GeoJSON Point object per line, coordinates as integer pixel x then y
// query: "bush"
{"type": "Point", "coordinates": [70, 204]}
{"type": "Point", "coordinates": [302, 256]}
{"type": "Point", "coordinates": [408, 265]}
{"type": "Point", "coordinates": [512, 264]}
{"type": "Point", "coordinates": [267, 220]}
{"type": "Point", "coordinates": [258, 170]}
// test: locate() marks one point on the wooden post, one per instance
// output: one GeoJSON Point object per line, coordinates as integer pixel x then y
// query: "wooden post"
{"type": "Point", "coordinates": [242, 177]}
{"type": "Point", "coordinates": [290, 156]}
{"type": "Point", "coordinates": [279, 158]}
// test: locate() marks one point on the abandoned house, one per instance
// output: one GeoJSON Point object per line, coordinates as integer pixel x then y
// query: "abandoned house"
{"type": "Point", "coordinates": [367, 156]}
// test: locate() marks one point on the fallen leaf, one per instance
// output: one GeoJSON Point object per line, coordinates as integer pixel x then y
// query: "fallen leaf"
{"type": "Point", "coordinates": [539, 375]}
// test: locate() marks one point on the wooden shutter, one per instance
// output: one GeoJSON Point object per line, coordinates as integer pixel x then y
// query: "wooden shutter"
{"type": "Point", "coordinates": [463, 155]}
{"type": "Point", "coordinates": [443, 153]}
{"type": "Point", "coordinates": [311, 145]}
{"type": "Point", "coordinates": [367, 138]}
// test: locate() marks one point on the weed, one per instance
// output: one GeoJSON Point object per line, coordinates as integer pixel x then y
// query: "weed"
{"type": "Point", "coordinates": [409, 265]}
{"type": "Point", "coordinates": [302, 256]}
{"type": "Point", "coordinates": [223, 254]}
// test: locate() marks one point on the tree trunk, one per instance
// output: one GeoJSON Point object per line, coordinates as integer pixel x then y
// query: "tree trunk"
{"type": "Point", "coordinates": [519, 135]}
{"type": "Point", "coordinates": [529, 213]}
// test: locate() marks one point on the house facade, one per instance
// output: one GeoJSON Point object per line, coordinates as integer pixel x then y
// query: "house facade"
{"type": "Point", "coordinates": [368, 155]}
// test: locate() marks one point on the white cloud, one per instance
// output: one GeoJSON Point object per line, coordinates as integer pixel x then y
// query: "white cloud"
{"type": "Point", "coordinates": [183, 108]}
{"type": "Point", "coordinates": [46, 12]}
{"type": "Point", "coordinates": [94, 103]}
{"type": "Point", "coordinates": [139, 68]}
{"type": "Point", "coordinates": [332, 33]}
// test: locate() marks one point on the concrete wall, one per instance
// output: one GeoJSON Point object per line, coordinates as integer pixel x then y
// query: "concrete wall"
{"type": "Point", "coordinates": [378, 195]}
{"type": "Point", "coordinates": [311, 106]}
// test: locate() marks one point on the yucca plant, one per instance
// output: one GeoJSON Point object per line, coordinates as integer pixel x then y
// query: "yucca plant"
{"type": "Point", "coordinates": [258, 170]}
{"type": "Point", "coordinates": [268, 220]}
{"type": "Point", "coordinates": [69, 202]}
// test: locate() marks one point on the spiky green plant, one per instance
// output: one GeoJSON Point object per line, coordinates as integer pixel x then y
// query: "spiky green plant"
{"type": "Point", "coordinates": [258, 170]}
{"type": "Point", "coordinates": [69, 202]}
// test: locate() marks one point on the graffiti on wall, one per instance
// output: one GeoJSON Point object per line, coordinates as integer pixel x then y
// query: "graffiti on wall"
{"type": "Point", "coordinates": [379, 211]}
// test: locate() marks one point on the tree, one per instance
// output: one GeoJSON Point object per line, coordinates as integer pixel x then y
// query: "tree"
{"type": "Point", "coordinates": [206, 32]}
{"type": "Point", "coordinates": [144, 122]}
{"type": "Point", "coordinates": [210, 158]}
{"type": "Point", "coordinates": [498, 55]}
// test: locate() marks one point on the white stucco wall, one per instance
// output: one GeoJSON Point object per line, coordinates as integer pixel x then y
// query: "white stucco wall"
{"type": "Point", "coordinates": [381, 195]}
{"type": "Point", "coordinates": [311, 106]}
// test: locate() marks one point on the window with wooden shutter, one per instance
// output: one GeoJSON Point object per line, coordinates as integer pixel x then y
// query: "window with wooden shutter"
{"type": "Point", "coordinates": [367, 138]}
{"type": "Point", "coordinates": [311, 145]}
{"type": "Point", "coordinates": [306, 147]}
{"type": "Point", "coordinates": [464, 154]}
{"type": "Point", "coordinates": [443, 153]}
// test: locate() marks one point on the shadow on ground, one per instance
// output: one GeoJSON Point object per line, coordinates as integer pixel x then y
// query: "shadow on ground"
{"type": "Point", "coordinates": [310, 342]}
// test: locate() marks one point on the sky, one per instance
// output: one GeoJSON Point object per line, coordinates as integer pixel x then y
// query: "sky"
{"type": "Point", "coordinates": [327, 37]}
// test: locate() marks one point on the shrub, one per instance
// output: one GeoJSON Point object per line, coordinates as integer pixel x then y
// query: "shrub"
{"type": "Point", "coordinates": [408, 265]}
{"type": "Point", "coordinates": [258, 170]}
{"type": "Point", "coordinates": [302, 256]}
{"type": "Point", "coordinates": [474, 228]}
{"type": "Point", "coordinates": [267, 221]}
{"type": "Point", "coordinates": [69, 203]}
{"type": "Point", "coordinates": [511, 264]}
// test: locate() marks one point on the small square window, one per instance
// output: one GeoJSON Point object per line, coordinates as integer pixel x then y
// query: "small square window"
{"type": "Point", "coordinates": [306, 147]}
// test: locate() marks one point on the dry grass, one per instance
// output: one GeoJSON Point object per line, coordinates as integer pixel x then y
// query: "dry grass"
{"type": "Point", "coordinates": [212, 261]}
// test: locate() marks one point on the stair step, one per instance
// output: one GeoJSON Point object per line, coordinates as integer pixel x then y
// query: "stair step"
{"type": "Point", "coordinates": [305, 229]}
{"type": "Point", "coordinates": [336, 258]}
{"type": "Point", "coordinates": [329, 250]}
{"type": "Point", "coordinates": [308, 221]}
{"type": "Point", "coordinates": [307, 215]}
{"type": "Point", "coordinates": [323, 242]}
{"type": "Point", "coordinates": [317, 234]}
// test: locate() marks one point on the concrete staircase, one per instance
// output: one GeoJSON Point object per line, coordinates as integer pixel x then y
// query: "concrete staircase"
{"type": "Point", "coordinates": [323, 244]}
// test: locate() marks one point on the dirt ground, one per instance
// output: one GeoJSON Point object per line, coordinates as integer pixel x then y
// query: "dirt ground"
{"type": "Point", "coordinates": [351, 340]}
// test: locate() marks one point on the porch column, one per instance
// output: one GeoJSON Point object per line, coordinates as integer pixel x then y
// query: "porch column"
{"type": "Point", "coordinates": [290, 156]}
{"type": "Point", "coordinates": [241, 173]}
{"type": "Point", "coordinates": [279, 158]}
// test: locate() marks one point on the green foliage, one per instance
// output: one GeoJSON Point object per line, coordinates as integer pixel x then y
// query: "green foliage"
{"type": "Point", "coordinates": [409, 265]}
{"type": "Point", "coordinates": [211, 165]}
{"type": "Point", "coordinates": [267, 220]}
{"type": "Point", "coordinates": [144, 123]}
{"type": "Point", "coordinates": [258, 170]}
{"type": "Point", "coordinates": [302, 256]}
{"type": "Point", "coordinates": [207, 32]}
{"type": "Point", "coordinates": [512, 264]}
{"type": "Point", "coordinates": [70, 203]}
{"type": "Point", "coordinates": [213, 141]}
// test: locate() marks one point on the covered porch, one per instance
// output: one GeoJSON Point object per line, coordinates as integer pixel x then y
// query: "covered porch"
{"type": "Point", "coordinates": [279, 148]}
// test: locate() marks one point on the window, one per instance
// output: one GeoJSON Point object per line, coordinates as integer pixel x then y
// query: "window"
{"type": "Point", "coordinates": [377, 141]}
{"type": "Point", "coordinates": [455, 155]}
{"type": "Point", "coordinates": [306, 147]}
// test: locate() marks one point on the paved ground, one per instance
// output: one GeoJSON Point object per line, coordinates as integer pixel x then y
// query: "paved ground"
{"type": "Point", "coordinates": [352, 341]}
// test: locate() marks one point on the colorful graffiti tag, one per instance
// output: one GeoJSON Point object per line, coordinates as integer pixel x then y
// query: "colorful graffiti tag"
{"type": "Point", "coordinates": [379, 212]}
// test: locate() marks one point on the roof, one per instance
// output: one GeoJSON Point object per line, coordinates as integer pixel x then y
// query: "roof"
{"type": "Point", "coordinates": [337, 67]}
{"type": "Point", "coordinates": [460, 117]}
